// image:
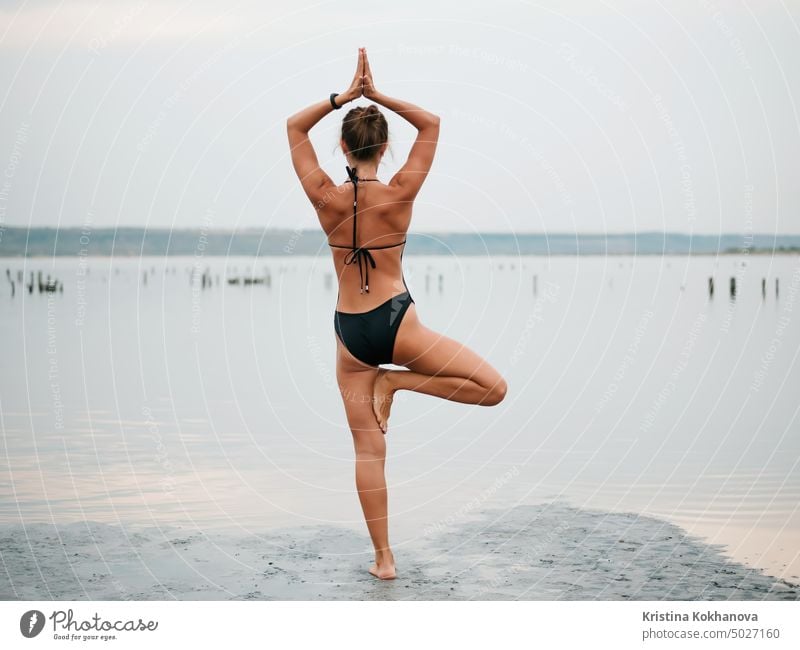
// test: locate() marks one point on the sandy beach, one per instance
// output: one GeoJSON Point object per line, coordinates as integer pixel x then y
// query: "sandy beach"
{"type": "Point", "coordinates": [539, 552]}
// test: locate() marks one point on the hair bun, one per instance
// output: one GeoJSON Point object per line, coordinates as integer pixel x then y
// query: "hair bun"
{"type": "Point", "coordinates": [371, 113]}
{"type": "Point", "coordinates": [364, 131]}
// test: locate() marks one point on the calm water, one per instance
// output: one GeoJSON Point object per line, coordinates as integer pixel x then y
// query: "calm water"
{"type": "Point", "coordinates": [629, 390]}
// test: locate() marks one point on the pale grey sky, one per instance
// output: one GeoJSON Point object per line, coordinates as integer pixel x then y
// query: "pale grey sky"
{"type": "Point", "coordinates": [556, 116]}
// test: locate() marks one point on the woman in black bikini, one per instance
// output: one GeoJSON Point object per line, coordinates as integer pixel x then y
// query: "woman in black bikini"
{"type": "Point", "coordinates": [376, 320]}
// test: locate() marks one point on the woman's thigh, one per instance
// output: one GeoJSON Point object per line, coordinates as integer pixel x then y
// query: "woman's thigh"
{"type": "Point", "coordinates": [422, 350]}
{"type": "Point", "coordinates": [356, 384]}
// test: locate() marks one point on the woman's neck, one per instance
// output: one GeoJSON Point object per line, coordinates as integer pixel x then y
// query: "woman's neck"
{"type": "Point", "coordinates": [366, 169]}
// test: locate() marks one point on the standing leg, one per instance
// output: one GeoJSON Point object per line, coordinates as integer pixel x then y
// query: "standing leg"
{"type": "Point", "coordinates": [356, 381]}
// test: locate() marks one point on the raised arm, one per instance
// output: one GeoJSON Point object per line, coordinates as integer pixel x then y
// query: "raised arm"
{"type": "Point", "coordinates": [314, 180]}
{"type": "Point", "coordinates": [413, 173]}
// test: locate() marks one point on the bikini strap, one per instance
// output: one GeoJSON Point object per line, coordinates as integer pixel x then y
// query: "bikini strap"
{"type": "Point", "coordinates": [374, 248]}
{"type": "Point", "coordinates": [351, 172]}
{"type": "Point", "coordinates": [358, 255]}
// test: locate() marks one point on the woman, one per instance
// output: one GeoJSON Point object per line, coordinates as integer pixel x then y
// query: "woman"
{"type": "Point", "coordinates": [376, 321]}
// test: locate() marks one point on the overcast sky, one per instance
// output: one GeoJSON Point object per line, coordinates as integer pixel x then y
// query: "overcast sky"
{"type": "Point", "coordinates": [556, 116]}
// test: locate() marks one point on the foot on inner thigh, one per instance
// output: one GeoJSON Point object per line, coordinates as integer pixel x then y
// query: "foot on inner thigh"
{"type": "Point", "coordinates": [382, 396]}
{"type": "Point", "coordinates": [384, 566]}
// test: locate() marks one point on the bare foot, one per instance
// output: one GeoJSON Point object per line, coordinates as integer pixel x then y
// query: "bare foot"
{"type": "Point", "coordinates": [383, 567]}
{"type": "Point", "coordinates": [382, 396]}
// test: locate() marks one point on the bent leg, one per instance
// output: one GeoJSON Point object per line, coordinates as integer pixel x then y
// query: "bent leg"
{"type": "Point", "coordinates": [438, 366]}
{"type": "Point", "coordinates": [356, 382]}
{"type": "Point", "coordinates": [454, 389]}
{"type": "Point", "coordinates": [444, 367]}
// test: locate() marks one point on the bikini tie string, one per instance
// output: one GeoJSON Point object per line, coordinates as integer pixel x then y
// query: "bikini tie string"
{"type": "Point", "coordinates": [364, 259]}
{"type": "Point", "coordinates": [359, 255]}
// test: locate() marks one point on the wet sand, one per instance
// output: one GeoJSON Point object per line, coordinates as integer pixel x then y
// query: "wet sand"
{"type": "Point", "coordinates": [535, 552]}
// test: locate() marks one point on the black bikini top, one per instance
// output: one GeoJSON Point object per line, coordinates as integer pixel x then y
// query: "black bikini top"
{"type": "Point", "coordinates": [360, 254]}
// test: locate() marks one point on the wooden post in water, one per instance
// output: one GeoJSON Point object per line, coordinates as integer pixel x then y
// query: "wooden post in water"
{"type": "Point", "coordinates": [763, 287]}
{"type": "Point", "coordinates": [441, 283]}
{"type": "Point", "coordinates": [535, 282]}
{"type": "Point", "coordinates": [733, 286]}
{"type": "Point", "coordinates": [776, 287]}
{"type": "Point", "coordinates": [710, 286]}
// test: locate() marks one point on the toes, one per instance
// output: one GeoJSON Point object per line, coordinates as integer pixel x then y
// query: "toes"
{"type": "Point", "coordinates": [378, 419]}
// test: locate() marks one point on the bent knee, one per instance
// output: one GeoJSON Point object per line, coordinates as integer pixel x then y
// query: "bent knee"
{"type": "Point", "coordinates": [496, 393]}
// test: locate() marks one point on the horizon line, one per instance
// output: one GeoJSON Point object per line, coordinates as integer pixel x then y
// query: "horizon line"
{"type": "Point", "coordinates": [551, 233]}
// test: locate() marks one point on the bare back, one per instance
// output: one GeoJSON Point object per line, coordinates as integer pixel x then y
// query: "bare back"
{"type": "Point", "coordinates": [383, 219]}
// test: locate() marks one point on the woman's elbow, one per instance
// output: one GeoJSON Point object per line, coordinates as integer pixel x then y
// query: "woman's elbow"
{"type": "Point", "coordinates": [293, 123]}
{"type": "Point", "coordinates": [431, 123]}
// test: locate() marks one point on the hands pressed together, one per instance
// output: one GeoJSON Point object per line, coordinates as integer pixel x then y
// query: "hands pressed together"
{"type": "Point", "coordinates": [362, 83]}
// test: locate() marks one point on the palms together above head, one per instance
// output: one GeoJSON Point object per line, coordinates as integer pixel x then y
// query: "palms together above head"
{"type": "Point", "coordinates": [368, 84]}
{"type": "Point", "coordinates": [362, 83]}
{"type": "Point", "coordinates": [356, 85]}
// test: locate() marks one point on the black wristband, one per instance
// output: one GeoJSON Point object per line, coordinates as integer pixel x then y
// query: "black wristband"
{"type": "Point", "coordinates": [333, 103]}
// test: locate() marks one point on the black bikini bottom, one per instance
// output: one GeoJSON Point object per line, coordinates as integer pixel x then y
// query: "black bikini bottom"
{"type": "Point", "coordinates": [370, 335]}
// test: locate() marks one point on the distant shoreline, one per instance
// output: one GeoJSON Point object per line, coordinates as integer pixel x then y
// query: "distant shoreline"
{"type": "Point", "coordinates": [725, 253]}
{"type": "Point", "coordinates": [17, 242]}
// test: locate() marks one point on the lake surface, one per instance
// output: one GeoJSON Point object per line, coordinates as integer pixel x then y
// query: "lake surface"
{"type": "Point", "coordinates": [630, 390]}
